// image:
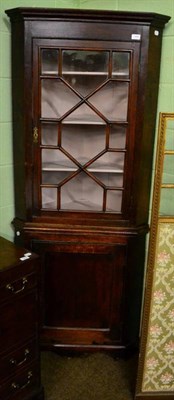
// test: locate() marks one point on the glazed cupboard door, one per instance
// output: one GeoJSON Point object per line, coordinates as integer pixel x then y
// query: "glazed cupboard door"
{"type": "Point", "coordinates": [84, 101]}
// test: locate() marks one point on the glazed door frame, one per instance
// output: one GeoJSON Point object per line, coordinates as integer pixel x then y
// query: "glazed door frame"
{"type": "Point", "coordinates": [133, 49]}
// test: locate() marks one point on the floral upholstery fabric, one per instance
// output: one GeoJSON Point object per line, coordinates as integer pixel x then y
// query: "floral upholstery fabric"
{"type": "Point", "coordinates": [158, 372]}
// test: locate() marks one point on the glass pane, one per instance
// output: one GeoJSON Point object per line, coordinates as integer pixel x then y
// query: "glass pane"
{"type": "Point", "coordinates": [114, 200]}
{"type": "Point", "coordinates": [92, 64]}
{"type": "Point", "coordinates": [120, 64]}
{"type": "Point", "coordinates": [169, 145]}
{"type": "Point", "coordinates": [117, 137]}
{"type": "Point", "coordinates": [110, 179]}
{"type": "Point", "coordinates": [57, 98]}
{"type": "Point", "coordinates": [82, 193]}
{"type": "Point", "coordinates": [49, 134]}
{"type": "Point", "coordinates": [49, 198]}
{"type": "Point", "coordinates": [55, 160]}
{"type": "Point", "coordinates": [83, 142]}
{"type": "Point", "coordinates": [84, 115]}
{"type": "Point", "coordinates": [168, 169]}
{"type": "Point", "coordinates": [167, 202]}
{"type": "Point", "coordinates": [49, 61]}
{"type": "Point", "coordinates": [54, 177]}
{"type": "Point", "coordinates": [84, 85]}
{"type": "Point", "coordinates": [112, 100]}
{"type": "Point", "coordinates": [108, 162]}
{"type": "Point", "coordinates": [85, 61]}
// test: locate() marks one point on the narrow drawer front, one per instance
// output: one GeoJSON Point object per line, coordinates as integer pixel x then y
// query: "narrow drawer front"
{"type": "Point", "coordinates": [18, 321]}
{"type": "Point", "coordinates": [15, 361]}
{"type": "Point", "coordinates": [21, 385]}
{"type": "Point", "coordinates": [13, 287]}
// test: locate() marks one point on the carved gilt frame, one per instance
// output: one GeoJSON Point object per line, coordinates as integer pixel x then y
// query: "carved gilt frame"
{"type": "Point", "coordinates": [156, 219]}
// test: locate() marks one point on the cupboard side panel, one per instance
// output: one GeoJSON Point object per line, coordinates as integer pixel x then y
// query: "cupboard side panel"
{"type": "Point", "coordinates": [146, 120]}
{"type": "Point", "coordinates": [22, 118]}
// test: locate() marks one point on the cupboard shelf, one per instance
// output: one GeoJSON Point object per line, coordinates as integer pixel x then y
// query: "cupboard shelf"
{"type": "Point", "coordinates": [62, 168]}
{"type": "Point", "coordinates": [83, 73]}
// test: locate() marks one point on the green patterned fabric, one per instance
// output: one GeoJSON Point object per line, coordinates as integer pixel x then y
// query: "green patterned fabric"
{"type": "Point", "coordinates": [159, 362]}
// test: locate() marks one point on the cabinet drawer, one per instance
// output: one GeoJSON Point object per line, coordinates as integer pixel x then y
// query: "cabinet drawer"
{"type": "Point", "coordinates": [20, 386]}
{"type": "Point", "coordinates": [12, 363]}
{"type": "Point", "coordinates": [13, 287]}
{"type": "Point", "coordinates": [18, 321]}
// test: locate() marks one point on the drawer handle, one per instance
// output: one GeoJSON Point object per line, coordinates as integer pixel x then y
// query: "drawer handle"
{"type": "Point", "coordinates": [12, 288]}
{"type": "Point", "coordinates": [18, 363]}
{"type": "Point", "coordinates": [17, 386]}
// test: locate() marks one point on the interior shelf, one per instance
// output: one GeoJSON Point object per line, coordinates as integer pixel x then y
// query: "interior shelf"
{"type": "Point", "coordinates": [87, 73]}
{"type": "Point", "coordinates": [80, 122]}
{"type": "Point", "coordinates": [55, 167]}
{"type": "Point", "coordinates": [95, 73]}
{"type": "Point", "coordinates": [61, 168]}
{"type": "Point", "coordinates": [81, 204]}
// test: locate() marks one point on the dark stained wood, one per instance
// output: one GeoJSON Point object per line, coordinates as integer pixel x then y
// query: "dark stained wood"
{"type": "Point", "coordinates": [48, 13]}
{"type": "Point", "coordinates": [154, 396]}
{"type": "Point", "coordinates": [92, 262]}
{"type": "Point", "coordinates": [19, 324]}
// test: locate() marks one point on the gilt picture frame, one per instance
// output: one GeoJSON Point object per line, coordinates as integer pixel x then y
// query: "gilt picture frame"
{"type": "Point", "coordinates": [155, 376]}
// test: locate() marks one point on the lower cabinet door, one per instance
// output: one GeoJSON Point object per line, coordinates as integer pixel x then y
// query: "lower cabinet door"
{"type": "Point", "coordinates": [83, 293]}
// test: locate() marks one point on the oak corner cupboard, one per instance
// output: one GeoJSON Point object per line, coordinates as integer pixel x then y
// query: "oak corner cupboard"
{"type": "Point", "coordinates": [85, 86]}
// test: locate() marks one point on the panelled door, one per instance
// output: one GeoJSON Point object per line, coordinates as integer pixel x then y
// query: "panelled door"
{"type": "Point", "coordinates": [85, 292]}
